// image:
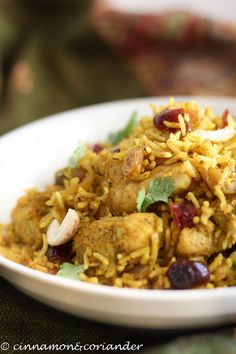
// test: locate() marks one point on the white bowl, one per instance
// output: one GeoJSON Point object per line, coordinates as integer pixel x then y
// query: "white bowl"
{"type": "Point", "coordinates": [29, 156]}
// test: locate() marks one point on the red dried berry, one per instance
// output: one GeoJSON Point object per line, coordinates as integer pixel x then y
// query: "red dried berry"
{"type": "Point", "coordinates": [97, 148]}
{"type": "Point", "coordinates": [186, 274]}
{"type": "Point", "coordinates": [170, 115]}
{"type": "Point", "coordinates": [183, 213]}
{"type": "Point", "coordinates": [61, 253]}
{"type": "Point", "coordinates": [224, 118]}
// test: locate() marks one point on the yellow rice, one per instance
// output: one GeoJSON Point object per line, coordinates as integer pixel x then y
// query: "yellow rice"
{"type": "Point", "coordinates": [203, 161]}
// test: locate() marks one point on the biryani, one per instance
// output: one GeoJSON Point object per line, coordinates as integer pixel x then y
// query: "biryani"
{"type": "Point", "coordinates": [152, 207]}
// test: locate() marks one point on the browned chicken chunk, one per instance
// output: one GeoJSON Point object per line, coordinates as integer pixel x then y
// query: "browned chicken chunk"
{"type": "Point", "coordinates": [26, 217]}
{"type": "Point", "coordinates": [110, 236]}
{"type": "Point", "coordinates": [198, 242]}
{"type": "Point", "coordinates": [193, 242]}
{"type": "Point", "coordinates": [124, 192]}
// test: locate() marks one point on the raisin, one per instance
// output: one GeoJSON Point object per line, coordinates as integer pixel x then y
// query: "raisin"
{"type": "Point", "coordinates": [132, 163]}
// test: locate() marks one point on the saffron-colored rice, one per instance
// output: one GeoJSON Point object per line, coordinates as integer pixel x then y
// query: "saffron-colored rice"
{"type": "Point", "coordinates": [209, 166]}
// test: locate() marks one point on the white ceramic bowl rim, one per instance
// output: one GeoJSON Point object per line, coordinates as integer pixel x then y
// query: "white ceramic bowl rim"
{"type": "Point", "coordinates": [100, 290]}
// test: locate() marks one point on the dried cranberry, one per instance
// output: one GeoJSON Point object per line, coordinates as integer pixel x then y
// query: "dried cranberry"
{"type": "Point", "coordinates": [61, 253]}
{"type": "Point", "coordinates": [170, 115]}
{"type": "Point", "coordinates": [183, 213]}
{"type": "Point", "coordinates": [97, 148]}
{"type": "Point", "coordinates": [185, 274]}
{"type": "Point", "coordinates": [224, 118]}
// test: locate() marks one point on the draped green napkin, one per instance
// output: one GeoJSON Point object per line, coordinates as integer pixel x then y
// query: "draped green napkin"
{"type": "Point", "coordinates": [52, 59]}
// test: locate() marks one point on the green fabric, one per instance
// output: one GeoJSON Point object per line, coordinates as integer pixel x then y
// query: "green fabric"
{"type": "Point", "coordinates": [52, 49]}
{"type": "Point", "coordinates": [68, 63]}
{"type": "Point", "coordinates": [204, 344]}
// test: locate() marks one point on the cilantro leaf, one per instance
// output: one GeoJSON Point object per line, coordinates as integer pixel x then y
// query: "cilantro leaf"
{"type": "Point", "coordinates": [159, 189]}
{"type": "Point", "coordinates": [140, 199]}
{"type": "Point", "coordinates": [234, 263]}
{"type": "Point", "coordinates": [73, 159]}
{"type": "Point", "coordinates": [70, 271]}
{"type": "Point", "coordinates": [115, 138]}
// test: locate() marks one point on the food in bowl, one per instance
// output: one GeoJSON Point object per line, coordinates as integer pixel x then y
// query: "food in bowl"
{"type": "Point", "coordinates": [153, 207]}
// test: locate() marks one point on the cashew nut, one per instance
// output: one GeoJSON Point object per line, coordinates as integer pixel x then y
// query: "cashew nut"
{"type": "Point", "coordinates": [229, 187]}
{"type": "Point", "coordinates": [216, 136]}
{"type": "Point", "coordinates": [58, 234]}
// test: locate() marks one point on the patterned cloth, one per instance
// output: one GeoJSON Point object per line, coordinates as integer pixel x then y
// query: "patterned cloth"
{"type": "Point", "coordinates": [174, 52]}
{"type": "Point", "coordinates": [52, 59]}
{"type": "Point", "coordinates": [56, 57]}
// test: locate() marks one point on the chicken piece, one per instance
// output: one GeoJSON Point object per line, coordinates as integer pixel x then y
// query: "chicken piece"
{"type": "Point", "coordinates": [110, 236]}
{"type": "Point", "coordinates": [197, 242]}
{"type": "Point", "coordinates": [26, 217]}
{"type": "Point", "coordinates": [123, 197]}
{"type": "Point", "coordinates": [226, 223]}
{"type": "Point", "coordinates": [193, 242]}
{"type": "Point", "coordinates": [123, 194]}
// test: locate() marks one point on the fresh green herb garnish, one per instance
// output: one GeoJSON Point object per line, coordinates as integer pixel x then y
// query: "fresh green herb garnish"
{"type": "Point", "coordinates": [234, 263]}
{"type": "Point", "coordinates": [70, 271]}
{"type": "Point", "coordinates": [140, 199]}
{"type": "Point", "coordinates": [73, 159]}
{"type": "Point", "coordinates": [115, 138]}
{"type": "Point", "coordinates": [159, 190]}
